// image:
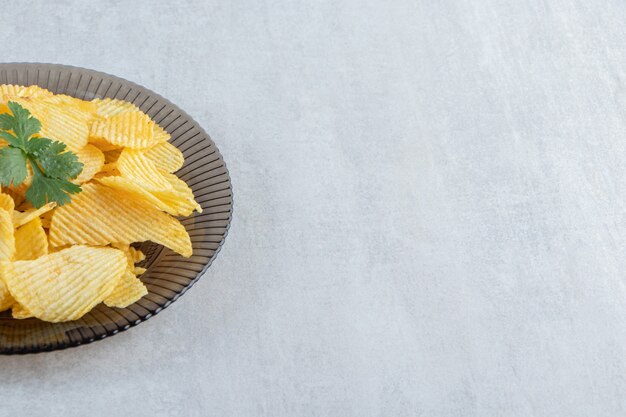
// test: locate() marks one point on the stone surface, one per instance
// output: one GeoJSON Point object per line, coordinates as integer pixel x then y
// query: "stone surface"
{"type": "Point", "coordinates": [429, 209]}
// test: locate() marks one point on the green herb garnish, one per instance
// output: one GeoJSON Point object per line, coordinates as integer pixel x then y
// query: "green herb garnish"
{"type": "Point", "coordinates": [51, 164]}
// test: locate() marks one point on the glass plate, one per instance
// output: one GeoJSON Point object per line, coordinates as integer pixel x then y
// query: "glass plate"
{"type": "Point", "coordinates": [168, 274]}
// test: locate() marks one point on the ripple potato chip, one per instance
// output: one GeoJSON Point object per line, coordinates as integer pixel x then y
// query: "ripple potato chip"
{"type": "Point", "coordinates": [165, 156]}
{"type": "Point", "coordinates": [21, 218]}
{"type": "Point", "coordinates": [93, 161]}
{"type": "Point", "coordinates": [128, 290]}
{"type": "Point", "coordinates": [101, 215]}
{"type": "Point", "coordinates": [7, 203]}
{"type": "Point", "coordinates": [131, 129]}
{"type": "Point", "coordinates": [7, 252]}
{"type": "Point", "coordinates": [61, 123]}
{"type": "Point", "coordinates": [31, 241]}
{"type": "Point", "coordinates": [64, 285]}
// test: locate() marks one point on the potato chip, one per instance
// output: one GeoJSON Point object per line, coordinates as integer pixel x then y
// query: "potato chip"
{"type": "Point", "coordinates": [165, 156]}
{"type": "Point", "coordinates": [62, 123]}
{"type": "Point", "coordinates": [101, 215]}
{"type": "Point", "coordinates": [136, 165]}
{"type": "Point", "coordinates": [8, 92]}
{"type": "Point", "coordinates": [108, 107]}
{"type": "Point", "coordinates": [93, 161]}
{"type": "Point", "coordinates": [85, 110]}
{"type": "Point", "coordinates": [21, 218]}
{"type": "Point", "coordinates": [31, 241]}
{"type": "Point", "coordinates": [112, 155]}
{"type": "Point", "coordinates": [160, 135]}
{"type": "Point", "coordinates": [7, 203]}
{"type": "Point", "coordinates": [128, 290]}
{"type": "Point", "coordinates": [141, 179]}
{"type": "Point", "coordinates": [103, 145]}
{"type": "Point", "coordinates": [65, 285]}
{"type": "Point", "coordinates": [19, 312]}
{"type": "Point", "coordinates": [7, 252]}
{"type": "Point", "coordinates": [138, 270]}
{"type": "Point", "coordinates": [46, 219]}
{"type": "Point", "coordinates": [132, 130]}
{"type": "Point", "coordinates": [136, 255]}
{"type": "Point", "coordinates": [7, 238]}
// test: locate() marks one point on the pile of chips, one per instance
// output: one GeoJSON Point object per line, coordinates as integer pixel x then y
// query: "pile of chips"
{"type": "Point", "coordinates": [57, 263]}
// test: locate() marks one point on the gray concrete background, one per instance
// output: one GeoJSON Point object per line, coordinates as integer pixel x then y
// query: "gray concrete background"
{"type": "Point", "coordinates": [430, 211]}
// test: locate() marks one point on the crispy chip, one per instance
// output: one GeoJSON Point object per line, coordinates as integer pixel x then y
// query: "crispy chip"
{"type": "Point", "coordinates": [132, 130]}
{"type": "Point", "coordinates": [136, 255]}
{"type": "Point", "coordinates": [8, 92]}
{"type": "Point", "coordinates": [62, 123]}
{"type": "Point", "coordinates": [141, 179]}
{"type": "Point", "coordinates": [46, 219]}
{"type": "Point", "coordinates": [165, 156]}
{"type": "Point", "coordinates": [139, 270]}
{"type": "Point", "coordinates": [19, 312]}
{"type": "Point", "coordinates": [21, 218]}
{"type": "Point", "coordinates": [7, 252]}
{"type": "Point", "coordinates": [93, 161]}
{"type": "Point", "coordinates": [85, 110]}
{"type": "Point", "coordinates": [65, 285]}
{"type": "Point", "coordinates": [101, 215]}
{"type": "Point", "coordinates": [108, 107]}
{"type": "Point", "coordinates": [136, 165]}
{"type": "Point", "coordinates": [7, 238]}
{"type": "Point", "coordinates": [7, 203]}
{"type": "Point", "coordinates": [31, 241]}
{"type": "Point", "coordinates": [128, 290]}
{"type": "Point", "coordinates": [112, 155]}
{"type": "Point", "coordinates": [103, 145]}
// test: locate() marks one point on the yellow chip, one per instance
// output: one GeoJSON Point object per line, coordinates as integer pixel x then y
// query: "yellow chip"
{"type": "Point", "coordinates": [112, 155]}
{"type": "Point", "coordinates": [62, 123]}
{"type": "Point", "coordinates": [21, 218]}
{"type": "Point", "coordinates": [7, 237]}
{"type": "Point", "coordinates": [46, 219]}
{"type": "Point", "coordinates": [108, 107]}
{"type": "Point", "coordinates": [7, 203]}
{"type": "Point", "coordinates": [132, 130]}
{"type": "Point", "coordinates": [136, 255]}
{"type": "Point", "coordinates": [8, 92]}
{"type": "Point", "coordinates": [84, 110]}
{"type": "Point", "coordinates": [93, 161]}
{"type": "Point", "coordinates": [19, 312]}
{"type": "Point", "coordinates": [141, 179]}
{"type": "Point", "coordinates": [65, 285]}
{"type": "Point", "coordinates": [160, 135]}
{"type": "Point", "coordinates": [101, 215]}
{"type": "Point", "coordinates": [134, 164]}
{"type": "Point", "coordinates": [31, 241]}
{"type": "Point", "coordinates": [7, 252]}
{"type": "Point", "coordinates": [169, 201]}
{"type": "Point", "coordinates": [139, 270]}
{"type": "Point", "coordinates": [128, 290]}
{"type": "Point", "coordinates": [103, 145]}
{"type": "Point", "coordinates": [165, 156]}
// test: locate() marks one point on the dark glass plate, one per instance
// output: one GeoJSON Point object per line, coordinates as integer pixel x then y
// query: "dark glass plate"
{"type": "Point", "coordinates": [169, 275]}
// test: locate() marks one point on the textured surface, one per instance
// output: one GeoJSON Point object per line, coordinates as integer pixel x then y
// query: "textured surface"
{"type": "Point", "coordinates": [429, 216]}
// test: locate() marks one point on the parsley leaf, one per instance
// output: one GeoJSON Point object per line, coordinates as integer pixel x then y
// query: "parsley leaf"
{"type": "Point", "coordinates": [45, 189]}
{"type": "Point", "coordinates": [53, 159]}
{"type": "Point", "coordinates": [12, 166]}
{"type": "Point", "coordinates": [52, 165]}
